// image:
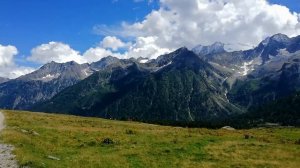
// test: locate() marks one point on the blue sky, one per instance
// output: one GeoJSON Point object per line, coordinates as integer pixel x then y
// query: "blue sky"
{"type": "Point", "coordinates": [293, 5]}
{"type": "Point", "coordinates": [27, 24]}
{"type": "Point", "coordinates": [32, 22]}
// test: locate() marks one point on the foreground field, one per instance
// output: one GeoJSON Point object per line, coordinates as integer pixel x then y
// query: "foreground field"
{"type": "Point", "coordinates": [47, 140]}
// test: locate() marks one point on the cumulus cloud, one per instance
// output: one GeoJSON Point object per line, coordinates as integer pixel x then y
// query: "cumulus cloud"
{"type": "Point", "coordinates": [6, 55]}
{"type": "Point", "coordinates": [146, 47]}
{"type": "Point", "coordinates": [15, 71]}
{"type": "Point", "coordinates": [95, 54]}
{"type": "Point", "coordinates": [242, 24]}
{"type": "Point", "coordinates": [238, 24]}
{"type": "Point", "coordinates": [8, 68]}
{"type": "Point", "coordinates": [112, 42]}
{"type": "Point", "coordinates": [141, 47]}
{"type": "Point", "coordinates": [45, 53]}
{"type": "Point", "coordinates": [55, 51]}
{"type": "Point", "coordinates": [61, 53]}
{"type": "Point", "coordinates": [177, 23]}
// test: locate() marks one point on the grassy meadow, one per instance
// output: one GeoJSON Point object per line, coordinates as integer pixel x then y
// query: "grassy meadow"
{"type": "Point", "coordinates": [50, 140]}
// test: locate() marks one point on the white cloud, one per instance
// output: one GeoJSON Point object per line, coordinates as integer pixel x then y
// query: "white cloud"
{"type": "Point", "coordinates": [187, 23]}
{"type": "Point", "coordinates": [8, 68]}
{"type": "Point", "coordinates": [15, 71]}
{"type": "Point", "coordinates": [6, 55]}
{"type": "Point", "coordinates": [44, 53]}
{"type": "Point", "coordinates": [142, 47]}
{"type": "Point", "coordinates": [55, 51]}
{"type": "Point", "coordinates": [112, 42]}
{"type": "Point", "coordinates": [61, 53]}
{"type": "Point", "coordinates": [177, 23]}
{"type": "Point", "coordinates": [146, 47]}
{"type": "Point", "coordinates": [95, 54]}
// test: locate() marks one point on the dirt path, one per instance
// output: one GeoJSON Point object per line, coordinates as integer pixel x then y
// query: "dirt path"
{"type": "Point", "coordinates": [1, 121]}
{"type": "Point", "coordinates": [7, 159]}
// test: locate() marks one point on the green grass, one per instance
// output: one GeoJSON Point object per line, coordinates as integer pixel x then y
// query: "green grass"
{"type": "Point", "coordinates": [78, 142]}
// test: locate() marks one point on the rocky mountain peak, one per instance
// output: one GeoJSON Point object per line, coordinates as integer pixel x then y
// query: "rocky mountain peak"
{"type": "Point", "coordinates": [278, 38]}
{"type": "Point", "coordinates": [104, 62]}
{"type": "Point", "coordinates": [214, 48]}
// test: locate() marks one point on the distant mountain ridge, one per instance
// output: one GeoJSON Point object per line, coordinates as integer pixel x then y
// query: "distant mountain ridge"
{"type": "Point", "coordinates": [170, 93]}
{"type": "Point", "coordinates": [41, 85]}
{"type": "Point", "coordinates": [277, 76]}
{"type": "Point", "coordinates": [215, 48]}
{"type": "Point", "coordinates": [206, 83]}
{"type": "Point", "coordinates": [50, 79]}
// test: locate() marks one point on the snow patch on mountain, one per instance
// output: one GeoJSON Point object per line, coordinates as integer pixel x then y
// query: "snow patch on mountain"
{"type": "Point", "coordinates": [49, 77]}
{"type": "Point", "coordinates": [283, 52]}
{"type": "Point", "coordinates": [87, 72]}
{"type": "Point", "coordinates": [163, 66]}
{"type": "Point", "coordinates": [248, 67]}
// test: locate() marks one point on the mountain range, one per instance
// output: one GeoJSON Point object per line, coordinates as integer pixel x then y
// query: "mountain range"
{"type": "Point", "coordinates": [143, 92]}
{"type": "Point", "coordinates": [203, 84]}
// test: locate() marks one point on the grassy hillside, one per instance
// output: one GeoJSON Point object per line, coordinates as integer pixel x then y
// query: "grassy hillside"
{"type": "Point", "coordinates": [41, 139]}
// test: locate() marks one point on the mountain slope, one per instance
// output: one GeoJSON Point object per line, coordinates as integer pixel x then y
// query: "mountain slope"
{"type": "Point", "coordinates": [244, 62]}
{"type": "Point", "coordinates": [284, 111]}
{"type": "Point", "coordinates": [50, 79]}
{"type": "Point", "coordinates": [275, 79]}
{"type": "Point", "coordinates": [2, 80]}
{"type": "Point", "coordinates": [179, 86]}
{"type": "Point", "coordinates": [41, 85]}
{"type": "Point", "coordinates": [262, 74]}
{"type": "Point", "coordinates": [98, 88]}
{"type": "Point", "coordinates": [185, 89]}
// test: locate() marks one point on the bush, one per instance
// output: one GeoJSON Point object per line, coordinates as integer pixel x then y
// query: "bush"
{"type": "Point", "coordinates": [107, 141]}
